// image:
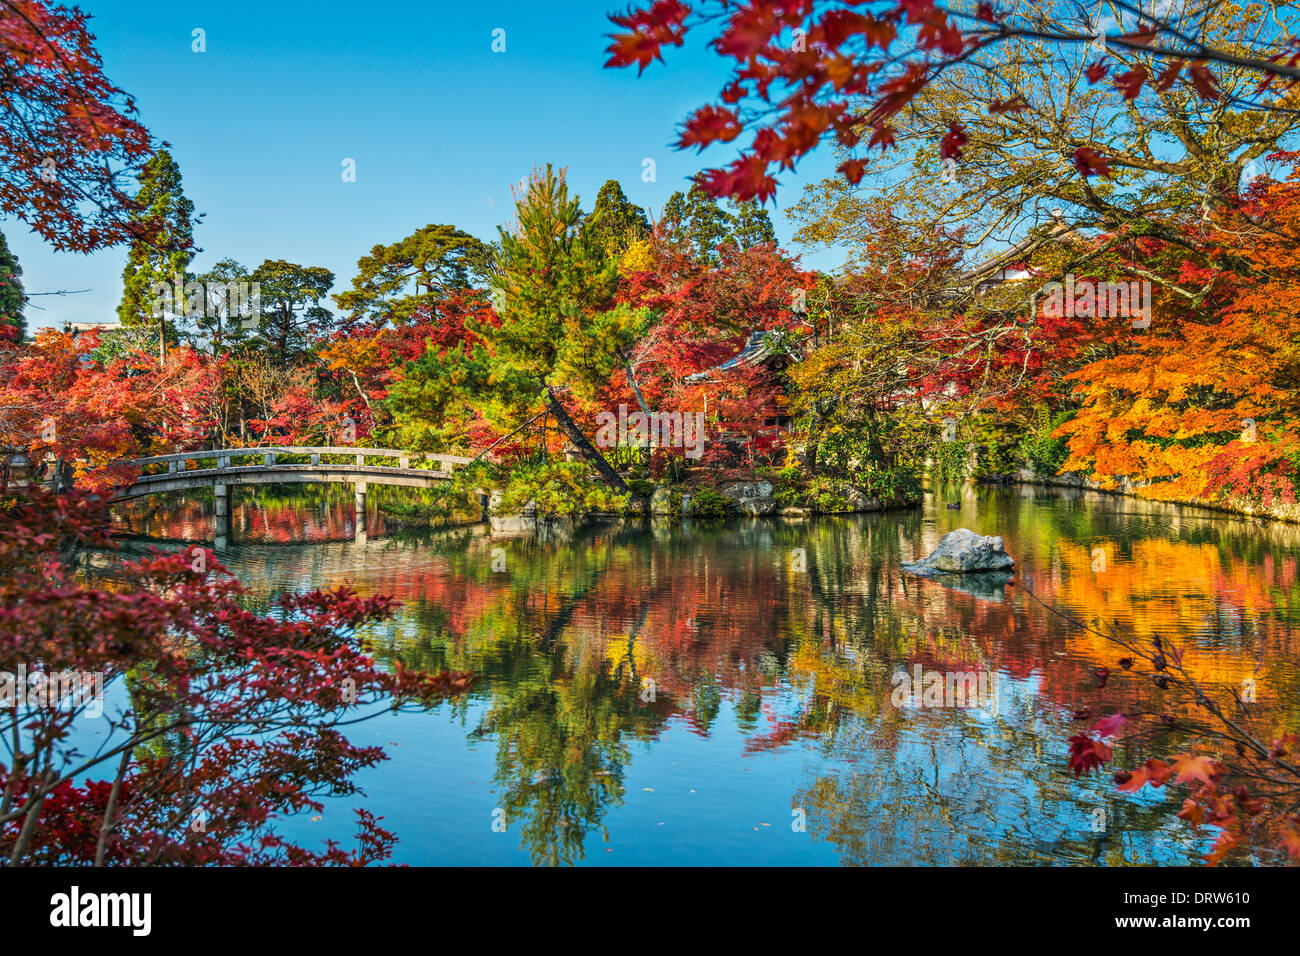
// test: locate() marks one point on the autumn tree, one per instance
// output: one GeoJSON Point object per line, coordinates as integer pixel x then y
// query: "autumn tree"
{"type": "Point", "coordinates": [70, 143]}
{"type": "Point", "coordinates": [394, 280]}
{"type": "Point", "coordinates": [161, 255]}
{"type": "Point", "coordinates": [371, 364]}
{"type": "Point", "coordinates": [1024, 109]}
{"type": "Point", "coordinates": [58, 402]}
{"type": "Point", "coordinates": [206, 725]}
{"type": "Point", "coordinates": [559, 331]}
{"type": "Point", "coordinates": [1202, 405]}
{"type": "Point", "coordinates": [805, 73]}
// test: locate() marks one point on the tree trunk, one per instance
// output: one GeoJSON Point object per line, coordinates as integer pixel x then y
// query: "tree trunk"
{"type": "Point", "coordinates": [645, 409]}
{"type": "Point", "coordinates": [585, 448]}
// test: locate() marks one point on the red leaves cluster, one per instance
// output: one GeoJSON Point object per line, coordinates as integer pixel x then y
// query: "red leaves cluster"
{"type": "Point", "coordinates": [664, 21]}
{"type": "Point", "coordinates": [710, 124]}
{"type": "Point", "coordinates": [787, 44]}
{"type": "Point", "coordinates": [57, 400]}
{"type": "Point", "coordinates": [231, 712]}
{"type": "Point", "coordinates": [817, 57]}
{"type": "Point", "coordinates": [1089, 753]}
{"type": "Point", "coordinates": [69, 139]}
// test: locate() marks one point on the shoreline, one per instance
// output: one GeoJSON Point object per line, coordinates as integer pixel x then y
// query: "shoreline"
{"type": "Point", "coordinates": [1283, 514]}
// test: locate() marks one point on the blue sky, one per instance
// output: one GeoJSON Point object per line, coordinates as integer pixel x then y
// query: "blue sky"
{"type": "Point", "coordinates": [438, 124]}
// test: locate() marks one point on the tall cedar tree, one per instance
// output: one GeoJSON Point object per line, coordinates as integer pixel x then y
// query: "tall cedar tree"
{"type": "Point", "coordinates": [12, 297]}
{"type": "Point", "coordinates": [561, 330]}
{"type": "Point", "coordinates": [615, 221]}
{"type": "Point", "coordinates": [695, 221]}
{"type": "Point", "coordinates": [163, 255]}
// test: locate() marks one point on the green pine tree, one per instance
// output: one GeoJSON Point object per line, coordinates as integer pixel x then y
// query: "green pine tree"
{"type": "Point", "coordinates": [12, 297]}
{"type": "Point", "coordinates": [432, 261]}
{"type": "Point", "coordinates": [164, 252]}
{"type": "Point", "coordinates": [560, 329]}
{"type": "Point", "coordinates": [751, 225]}
{"type": "Point", "coordinates": [292, 315]}
{"type": "Point", "coordinates": [222, 326]}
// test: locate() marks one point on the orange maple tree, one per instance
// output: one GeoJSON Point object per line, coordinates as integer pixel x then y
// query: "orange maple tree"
{"type": "Point", "coordinates": [1202, 405]}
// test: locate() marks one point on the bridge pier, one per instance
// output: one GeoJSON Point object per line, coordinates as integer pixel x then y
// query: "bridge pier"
{"type": "Point", "coordinates": [221, 513]}
{"type": "Point", "coordinates": [360, 488]}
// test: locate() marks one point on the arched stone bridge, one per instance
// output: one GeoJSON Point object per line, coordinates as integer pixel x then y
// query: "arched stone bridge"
{"type": "Point", "coordinates": [267, 468]}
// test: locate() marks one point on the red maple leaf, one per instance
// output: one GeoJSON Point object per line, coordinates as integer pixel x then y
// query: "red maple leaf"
{"type": "Point", "coordinates": [1170, 74]}
{"type": "Point", "coordinates": [1130, 83]}
{"type": "Point", "coordinates": [709, 124]}
{"type": "Point", "coordinates": [1087, 754]}
{"type": "Point", "coordinates": [951, 145]}
{"type": "Point", "coordinates": [853, 170]}
{"type": "Point", "coordinates": [1204, 81]}
{"type": "Point", "coordinates": [882, 135]}
{"type": "Point", "coordinates": [1089, 162]}
{"type": "Point", "coordinates": [1015, 105]}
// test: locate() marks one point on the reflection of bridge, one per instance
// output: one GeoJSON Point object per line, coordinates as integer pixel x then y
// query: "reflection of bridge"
{"type": "Point", "coordinates": [358, 472]}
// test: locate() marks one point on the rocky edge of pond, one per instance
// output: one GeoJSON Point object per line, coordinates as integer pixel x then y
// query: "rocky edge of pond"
{"type": "Point", "coordinates": [746, 498]}
{"type": "Point", "coordinates": [752, 498]}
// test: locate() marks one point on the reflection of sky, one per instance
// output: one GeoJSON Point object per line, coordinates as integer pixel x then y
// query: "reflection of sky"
{"type": "Point", "coordinates": [957, 789]}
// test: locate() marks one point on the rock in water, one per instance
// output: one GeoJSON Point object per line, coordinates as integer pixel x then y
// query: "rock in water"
{"type": "Point", "coordinates": [964, 552]}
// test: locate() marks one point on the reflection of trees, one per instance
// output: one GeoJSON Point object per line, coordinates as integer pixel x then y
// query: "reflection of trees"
{"type": "Point", "coordinates": [282, 514]}
{"type": "Point", "coordinates": [567, 639]}
{"type": "Point", "coordinates": [560, 755]}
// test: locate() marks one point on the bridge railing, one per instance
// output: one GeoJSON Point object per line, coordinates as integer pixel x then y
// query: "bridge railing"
{"type": "Point", "coordinates": [225, 457]}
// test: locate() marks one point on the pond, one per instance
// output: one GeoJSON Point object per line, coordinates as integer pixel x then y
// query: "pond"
{"type": "Point", "coordinates": [728, 693]}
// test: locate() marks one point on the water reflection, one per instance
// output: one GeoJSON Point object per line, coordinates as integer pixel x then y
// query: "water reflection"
{"type": "Point", "coordinates": [693, 692]}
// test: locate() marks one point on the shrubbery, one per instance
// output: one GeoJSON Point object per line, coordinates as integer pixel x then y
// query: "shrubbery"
{"type": "Point", "coordinates": [558, 488]}
{"type": "Point", "coordinates": [709, 504]}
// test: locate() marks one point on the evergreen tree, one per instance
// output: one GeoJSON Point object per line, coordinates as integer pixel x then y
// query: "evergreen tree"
{"type": "Point", "coordinates": [12, 297]}
{"type": "Point", "coordinates": [751, 225]}
{"type": "Point", "coordinates": [559, 330]}
{"type": "Point", "coordinates": [221, 326]}
{"type": "Point", "coordinates": [615, 221]}
{"type": "Point", "coordinates": [164, 247]}
{"type": "Point", "coordinates": [292, 316]}
{"type": "Point", "coordinates": [696, 221]}
{"type": "Point", "coordinates": [435, 260]}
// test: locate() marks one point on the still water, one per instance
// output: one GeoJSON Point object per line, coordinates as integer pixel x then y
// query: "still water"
{"type": "Point", "coordinates": [724, 693]}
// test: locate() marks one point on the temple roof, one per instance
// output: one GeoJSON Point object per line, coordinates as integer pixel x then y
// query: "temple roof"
{"type": "Point", "coordinates": [756, 351]}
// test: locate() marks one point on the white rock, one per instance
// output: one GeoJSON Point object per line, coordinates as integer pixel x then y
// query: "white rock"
{"type": "Point", "coordinates": [964, 552]}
